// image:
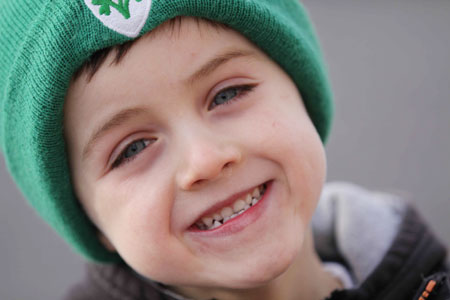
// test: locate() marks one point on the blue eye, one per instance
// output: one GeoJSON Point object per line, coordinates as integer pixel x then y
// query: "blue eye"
{"type": "Point", "coordinates": [131, 151]}
{"type": "Point", "coordinates": [229, 94]}
{"type": "Point", "coordinates": [134, 148]}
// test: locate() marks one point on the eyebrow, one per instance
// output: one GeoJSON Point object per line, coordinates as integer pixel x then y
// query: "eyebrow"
{"type": "Point", "coordinates": [124, 115]}
{"type": "Point", "coordinates": [116, 121]}
{"type": "Point", "coordinates": [210, 66]}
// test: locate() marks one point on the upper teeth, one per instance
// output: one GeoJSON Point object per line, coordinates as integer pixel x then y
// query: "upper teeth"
{"type": "Point", "coordinates": [229, 212]}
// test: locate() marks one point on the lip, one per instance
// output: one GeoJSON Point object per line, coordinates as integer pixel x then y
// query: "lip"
{"type": "Point", "coordinates": [239, 222]}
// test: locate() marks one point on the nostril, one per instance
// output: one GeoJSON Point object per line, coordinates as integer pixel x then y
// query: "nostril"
{"type": "Point", "coordinates": [205, 163]}
{"type": "Point", "coordinates": [226, 169]}
{"type": "Point", "coordinates": [198, 182]}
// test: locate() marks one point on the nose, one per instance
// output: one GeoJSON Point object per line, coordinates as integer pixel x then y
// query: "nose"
{"type": "Point", "coordinates": [205, 157]}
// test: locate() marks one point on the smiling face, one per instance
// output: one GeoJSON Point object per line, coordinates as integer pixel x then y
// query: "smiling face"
{"type": "Point", "coordinates": [173, 136]}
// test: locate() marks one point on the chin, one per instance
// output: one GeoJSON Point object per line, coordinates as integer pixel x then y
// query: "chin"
{"type": "Point", "coordinates": [259, 272]}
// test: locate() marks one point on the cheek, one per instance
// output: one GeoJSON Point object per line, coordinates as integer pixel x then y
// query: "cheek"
{"type": "Point", "coordinates": [134, 213]}
{"type": "Point", "coordinates": [139, 228]}
{"type": "Point", "coordinates": [288, 137]}
{"type": "Point", "coordinates": [136, 218]}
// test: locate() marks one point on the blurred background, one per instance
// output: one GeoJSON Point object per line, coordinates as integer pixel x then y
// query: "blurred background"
{"type": "Point", "coordinates": [389, 64]}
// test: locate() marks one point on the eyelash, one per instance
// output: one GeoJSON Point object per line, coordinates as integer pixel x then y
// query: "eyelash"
{"type": "Point", "coordinates": [121, 159]}
{"type": "Point", "coordinates": [241, 91]}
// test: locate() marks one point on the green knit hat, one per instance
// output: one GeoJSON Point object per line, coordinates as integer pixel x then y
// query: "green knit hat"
{"type": "Point", "coordinates": [43, 42]}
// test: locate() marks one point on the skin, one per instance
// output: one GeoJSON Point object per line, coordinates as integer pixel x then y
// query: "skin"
{"type": "Point", "coordinates": [197, 152]}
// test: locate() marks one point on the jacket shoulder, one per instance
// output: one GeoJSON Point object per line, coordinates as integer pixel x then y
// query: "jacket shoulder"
{"type": "Point", "coordinates": [85, 291]}
{"type": "Point", "coordinates": [112, 282]}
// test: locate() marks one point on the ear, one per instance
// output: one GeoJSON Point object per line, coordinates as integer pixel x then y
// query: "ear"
{"type": "Point", "coordinates": [106, 242]}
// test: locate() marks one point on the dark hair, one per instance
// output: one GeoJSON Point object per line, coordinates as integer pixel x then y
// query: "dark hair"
{"type": "Point", "coordinates": [96, 60]}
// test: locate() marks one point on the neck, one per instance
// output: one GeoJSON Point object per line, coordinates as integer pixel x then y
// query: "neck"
{"type": "Point", "coordinates": [304, 279]}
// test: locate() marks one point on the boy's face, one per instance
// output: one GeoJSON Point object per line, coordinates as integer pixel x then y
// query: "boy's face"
{"type": "Point", "coordinates": [186, 124]}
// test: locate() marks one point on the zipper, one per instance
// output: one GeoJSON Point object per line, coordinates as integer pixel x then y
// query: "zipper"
{"type": "Point", "coordinates": [434, 287]}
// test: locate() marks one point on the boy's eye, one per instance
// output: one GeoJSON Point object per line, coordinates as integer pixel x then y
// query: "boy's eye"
{"type": "Point", "coordinates": [131, 151]}
{"type": "Point", "coordinates": [135, 148]}
{"type": "Point", "coordinates": [227, 95]}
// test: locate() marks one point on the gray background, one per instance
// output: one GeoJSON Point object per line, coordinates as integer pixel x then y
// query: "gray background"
{"type": "Point", "coordinates": [390, 68]}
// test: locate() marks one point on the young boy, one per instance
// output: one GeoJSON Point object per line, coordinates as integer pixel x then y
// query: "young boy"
{"type": "Point", "coordinates": [179, 145]}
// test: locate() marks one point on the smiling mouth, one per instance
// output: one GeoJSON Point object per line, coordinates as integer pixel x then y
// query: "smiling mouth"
{"type": "Point", "coordinates": [228, 213]}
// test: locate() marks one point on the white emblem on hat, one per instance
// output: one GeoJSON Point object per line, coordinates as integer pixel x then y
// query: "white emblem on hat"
{"type": "Point", "coordinates": [126, 17]}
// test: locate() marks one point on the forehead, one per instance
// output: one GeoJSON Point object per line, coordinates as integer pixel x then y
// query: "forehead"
{"type": "Point", "coordinates": [96, 60]}
{"type": "Point", "coordinates": [175, 43]}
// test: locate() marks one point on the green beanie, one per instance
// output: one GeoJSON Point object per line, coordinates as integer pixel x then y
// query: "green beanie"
{"type": "Point", "coordinates": [43, 42]}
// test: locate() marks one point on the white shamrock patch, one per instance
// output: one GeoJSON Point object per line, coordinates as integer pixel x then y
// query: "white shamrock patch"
{"type": "Point", "coordinates": [126, 17]}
